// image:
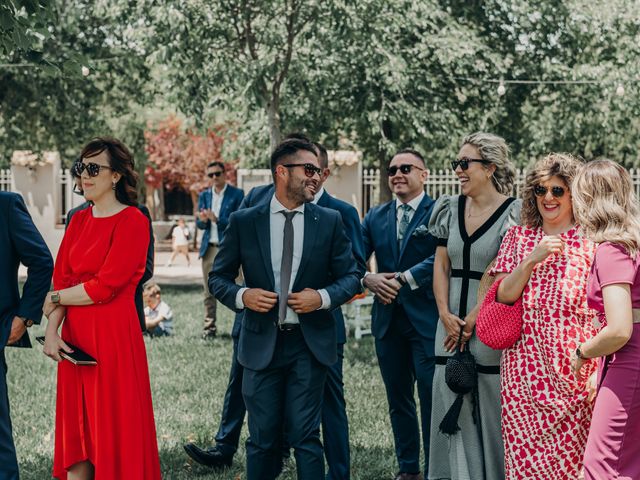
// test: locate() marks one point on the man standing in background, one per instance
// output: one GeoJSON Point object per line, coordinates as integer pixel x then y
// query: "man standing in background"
{"type": "Point", "coordinates": [215, 205]}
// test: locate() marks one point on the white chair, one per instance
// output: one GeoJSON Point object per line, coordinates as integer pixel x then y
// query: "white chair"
{"type": "Point", "coordinates": [358, 316]}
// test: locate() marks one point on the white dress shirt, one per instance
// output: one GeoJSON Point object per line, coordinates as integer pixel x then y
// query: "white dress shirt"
{"type": "Point", "coordinates": [216, 204]}
{"type": "Point", "coordinates": [276, 235]}
{"type": "Point", "coordinates": [317, 196]}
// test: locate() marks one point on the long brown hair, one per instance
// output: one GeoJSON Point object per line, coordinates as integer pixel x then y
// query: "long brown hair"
{"type": "Point", "coordinates": [121, 161]}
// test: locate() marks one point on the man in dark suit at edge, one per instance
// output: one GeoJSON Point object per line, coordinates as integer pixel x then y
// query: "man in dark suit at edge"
{"type": "Point", "coordinates": [288, 337]}
{"type": "Point", "coordinates": [335, 428]}
{"type": "Point", "coordinates": [20, 242]}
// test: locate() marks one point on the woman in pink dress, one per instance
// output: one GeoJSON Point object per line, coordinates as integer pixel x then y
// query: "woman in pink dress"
{"type": "Point", "coordinates": [546, 411]}
{"type": "Point", "coordinates": [608, 210]}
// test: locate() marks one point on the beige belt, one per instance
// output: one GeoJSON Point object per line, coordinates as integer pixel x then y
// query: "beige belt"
{"type": "Point", "coordinates": [636, 315]}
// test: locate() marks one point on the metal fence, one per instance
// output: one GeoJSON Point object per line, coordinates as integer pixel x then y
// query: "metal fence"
{"type": "Point", "coordinates": [5, 180]}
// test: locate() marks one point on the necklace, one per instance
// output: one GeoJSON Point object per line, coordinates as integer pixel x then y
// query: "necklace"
{"type": "Point", "coordinates": [481, 213]}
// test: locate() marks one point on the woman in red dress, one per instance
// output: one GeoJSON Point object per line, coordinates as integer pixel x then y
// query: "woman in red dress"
{"type": "Point", "coordinates": [104, 415]}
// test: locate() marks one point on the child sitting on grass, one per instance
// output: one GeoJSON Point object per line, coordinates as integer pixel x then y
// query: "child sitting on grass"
{"type": "Point", "coordinates": [157, 314]}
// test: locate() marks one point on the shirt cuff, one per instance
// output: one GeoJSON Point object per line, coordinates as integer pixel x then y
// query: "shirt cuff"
{"type": "Point", "coordinates": [326, 299]}
{"type": "Point", "coordinates": [239, 302]}
{"type": "Point", "coordinates": [410, 280]}
{"type": "Point", "coordinates": [362, 279]}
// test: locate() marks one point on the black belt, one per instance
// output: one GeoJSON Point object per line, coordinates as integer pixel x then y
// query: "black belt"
{"type": "Point", "coordinates": [484, 369]}
{"type": "Point", "coordinates": [289, 327]}
{"type": "Point", "coordinates": [471, 274]}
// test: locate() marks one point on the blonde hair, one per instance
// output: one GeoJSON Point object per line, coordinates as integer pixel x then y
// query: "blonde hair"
{"type": "Point", "coordinates": [605, 205]}
{"type": "Point", "coordinates": [494, 149]}
{"type": "Point", "coordinates": [561, 165]}
{"type": "Point", "coordinates": [151, 288]}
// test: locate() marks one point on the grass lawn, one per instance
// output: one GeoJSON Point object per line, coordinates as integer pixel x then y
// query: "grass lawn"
{"type": "Point", "coordinates": [188, 380]}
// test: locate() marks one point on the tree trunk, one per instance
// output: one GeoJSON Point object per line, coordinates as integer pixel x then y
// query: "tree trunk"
{"type": "Point", "coordinates": [273, 118]}
{"type": "Point", "coordinates": [385, 192]}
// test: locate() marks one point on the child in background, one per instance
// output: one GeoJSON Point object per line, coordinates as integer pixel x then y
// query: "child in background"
{"type": "Point", "coordinates": [158, 315]}
{"type": "Point", "coordinates": [180, 235]}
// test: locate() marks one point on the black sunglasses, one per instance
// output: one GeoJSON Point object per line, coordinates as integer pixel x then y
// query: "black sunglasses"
{"type": "Point", "coordinates": [541, 191]}
{"type": "Point", "coordinates": [309, 168]}
{"type": "Point", "coordinates": [214, 174]}
{"type": "Point", "coordinates": [405, 169]}
{"type": "Point", "coordinates": [93, 169]}
{"type": "Point", "coordinates": [464, 162]}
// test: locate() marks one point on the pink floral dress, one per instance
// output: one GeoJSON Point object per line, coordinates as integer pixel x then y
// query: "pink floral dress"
{"type": "Point", "coordinates": [545, 412]}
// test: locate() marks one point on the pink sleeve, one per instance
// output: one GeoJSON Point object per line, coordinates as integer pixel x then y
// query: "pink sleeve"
{"type": "Point", "coordinates": [125, 261]}
{"type": "Point", "coordinates": [614, 265]}
{"type": "Point", "coordinates": [506, 260]}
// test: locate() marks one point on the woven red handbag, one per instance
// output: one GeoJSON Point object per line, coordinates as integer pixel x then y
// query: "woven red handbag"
{"type": "Point", "coordinates": [498, 325]}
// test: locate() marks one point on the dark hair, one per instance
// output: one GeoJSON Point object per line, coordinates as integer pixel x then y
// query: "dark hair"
{"type": "Point", "coordinates": [216, 164]}
{"type": "Point", "coordinates": [287, 148]}
{"type": "Point", "coordinates": [121, 161]}
{"type": "Point", "coordinates": [323, 156]}
{"type": "Point", "coordinates": [297, 136]}
{"type": "Point", "coordinates": [411, 151]}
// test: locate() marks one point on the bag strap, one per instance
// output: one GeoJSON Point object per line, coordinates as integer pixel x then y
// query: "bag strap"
{"type": "Point", "coordinates": [459, 342]}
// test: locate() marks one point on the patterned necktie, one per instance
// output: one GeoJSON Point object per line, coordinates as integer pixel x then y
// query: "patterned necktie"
{"type": "Point", "coordinates": [285, 266]}
{"type": "Point", "coordinates": [404, 221]}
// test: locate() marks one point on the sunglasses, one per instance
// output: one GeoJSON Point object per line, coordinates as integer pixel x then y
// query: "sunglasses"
{"type": "Point", "coordinates": [214, 174]}
{"type": "Point", "coordinates": [405, 169]}
{"type": "Point", "coordinates": [309, 168]}
{"type": "Point", "coordinates": [541, 191]}
{"type": "Point", "coordinates": [93, 169]}
{"type": "Point", "coordinates": [464, 162]}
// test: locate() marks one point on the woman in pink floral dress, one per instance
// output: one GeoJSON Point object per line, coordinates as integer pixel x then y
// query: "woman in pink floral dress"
{"type": "Point", "coordinates": [546, 411]}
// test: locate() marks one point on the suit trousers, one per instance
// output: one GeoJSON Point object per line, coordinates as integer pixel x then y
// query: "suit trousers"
{"type": "Point", "coordinates": [209, 300]}
{"type": "Point", "coordinates": [233, 408]}
{"type": "Point", "coordinates": [288, 392]}
{"type": "Point", "coordinates": [8, 461]}
{"type": "Point", "coordinates": [335, 424]}
{"type": "Point", "coordinates": [406, 358]}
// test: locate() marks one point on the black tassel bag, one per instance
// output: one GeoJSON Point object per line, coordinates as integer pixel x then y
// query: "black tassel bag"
{"type": "Point", "coordinates": [461, 377]}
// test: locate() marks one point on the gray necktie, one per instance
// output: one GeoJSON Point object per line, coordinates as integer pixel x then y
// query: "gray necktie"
{"type": "Point", "coordinates": [285, 266]}
{"type": "Point", "coordinates": [404, 221]}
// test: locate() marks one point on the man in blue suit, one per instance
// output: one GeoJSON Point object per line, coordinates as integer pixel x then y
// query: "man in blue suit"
{"type": "Point", "coordinates": [215, 205]}
{"type": "Point", "coordinates": [295, 272]}
{"type": "Point", "coordinates": [335, 426]}
{"type": "Point", "coordinates": [404, 313]}
{"type": "Point", "coordinates": [20, 242]}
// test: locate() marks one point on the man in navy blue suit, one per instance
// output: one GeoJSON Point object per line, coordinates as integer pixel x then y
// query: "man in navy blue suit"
{"type": "Point", "coordinates": [20, 242]}
{"type": "Point", "coordinates": [404, 313]}
{"type": "Point", "coordinates": [215, 204]}
{"type": "Point", "coordinates": [335, 427]}
{"type": "Point", "coordinates": [298, 265]}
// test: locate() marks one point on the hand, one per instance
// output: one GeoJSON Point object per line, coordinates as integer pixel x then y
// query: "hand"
{"type": "Point", "coordinates": [308, 300]}
{"type": "Point", "coordinates": [259, 300]}
{"type": "Point", "coordinates": [206, 214]}
{"type": "Point", "coordinates": [383, 285]}
{"type": "Point", "coordinates": [452, 324]}
{"type": "Point", "coordinates": [48, 306]}
{"type": "Point", "coordinates": [467, 330]}
{"type": "Point", "coordinates": [17, 330]}
{"type": "Point", "coordinates": [550, 244]}
{"type": "Point", "coordinates": [576, 366]}
{"type": "Point", "coordinates": [53, 344]}
{"type": "Point", "coordinates": [592, 387]}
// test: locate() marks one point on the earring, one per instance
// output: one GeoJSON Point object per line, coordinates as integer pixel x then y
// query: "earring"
{"type": "Point", "coordinates": [113, 186]}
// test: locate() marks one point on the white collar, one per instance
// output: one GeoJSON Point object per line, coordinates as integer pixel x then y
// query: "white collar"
{"type": "Point", "coordinates": [414, 204]}
{"type": "Point", "coordinates": [224, 189]}
{"type": "Point", "coordinates": [316, 197]}
{"type": "Point", "coordinates": [276, 206]}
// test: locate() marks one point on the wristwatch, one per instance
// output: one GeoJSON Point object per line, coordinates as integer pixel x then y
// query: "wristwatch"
{"type": "Point", "coordinates": [27, 321]}
{"type": "Point", "coordinates": [579, 353]}
{"type": "Point", "coordinates": [399, 277]}
{"type": "Point", "coordinates": [55, 297]}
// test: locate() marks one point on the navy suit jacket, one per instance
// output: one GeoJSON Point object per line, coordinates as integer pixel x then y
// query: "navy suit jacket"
{"type": "Point", "coordinates": [351, 221]}
{"type": "Point", "coordinates": [415, 254]}
{"type": "Point", "coordinates": [148, 269]}
{"type": "Point", "coordinates": [327, 262]}
{"type": "Point", "coordinates": [230, 202]}
{"type": "Point", "coordinates": [20, 242]}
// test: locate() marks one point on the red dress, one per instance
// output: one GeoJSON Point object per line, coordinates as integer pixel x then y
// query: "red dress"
{"type": "Point", "coordinates": [104, 413]}
{"type": "Point", "coordinates": [545, 412]}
